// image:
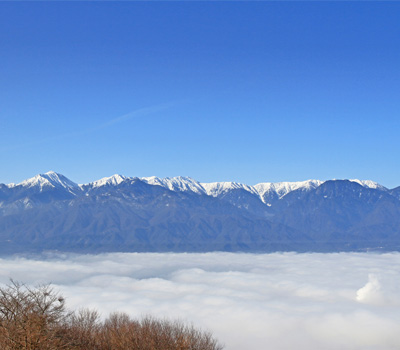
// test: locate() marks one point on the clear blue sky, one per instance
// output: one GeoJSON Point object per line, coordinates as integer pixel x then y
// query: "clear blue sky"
{"type": "Point", "coordinates": [219, 91]}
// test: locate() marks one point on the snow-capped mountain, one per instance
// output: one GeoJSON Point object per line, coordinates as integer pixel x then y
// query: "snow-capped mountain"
{"type": "Point", "coordinates": [215, 189]}
{"type": "Point", "coordinates": [268, 191]}
{"type": "Point", "coordinates": [120, 213]}
{"type": "Point", "coordinates": [185, 184]}
{"type": "Point", "coordinates": [179, 183]}
{"type": "Point", "coordinates": [49, 179]}
{"type": "Point", "coordinates": [108, 181]}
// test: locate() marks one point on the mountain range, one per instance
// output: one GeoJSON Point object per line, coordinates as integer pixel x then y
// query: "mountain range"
{"type": "Point", "coordinates": [118, 213]}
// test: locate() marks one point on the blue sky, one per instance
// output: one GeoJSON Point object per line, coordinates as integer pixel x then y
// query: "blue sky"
{"type": "Point", "coordinates": [219, 91]}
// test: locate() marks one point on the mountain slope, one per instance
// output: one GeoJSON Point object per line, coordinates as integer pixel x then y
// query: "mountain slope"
{"type": "Point", "coordinates": [345, 212]}
{"type": "Point", "coordinates": [141, 217]}
{"type": "Point", "coordinates": [118, 213]}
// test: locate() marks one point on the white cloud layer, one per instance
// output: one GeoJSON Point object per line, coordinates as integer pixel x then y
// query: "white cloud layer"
{"type": "Point", "coordinates": [249, 301]}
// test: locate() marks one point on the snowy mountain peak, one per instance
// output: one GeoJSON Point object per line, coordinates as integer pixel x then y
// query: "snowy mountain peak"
{"type": "Point", "coordinates": [49, 179]}
{"type": "Point", "coordinates": [283, 188]}
{"type": "Point", "coordinates": [111, 181]}
{"type": "Point", "coordinates": [216, 188]}
{"type": "Point", "coordinates": [178, 183]}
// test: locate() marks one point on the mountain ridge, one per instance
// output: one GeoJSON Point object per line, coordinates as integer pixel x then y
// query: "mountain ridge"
{"type": "Point", "coordinates": [119, 213]}
{"type": "Point", "coordinates": [182, 183]}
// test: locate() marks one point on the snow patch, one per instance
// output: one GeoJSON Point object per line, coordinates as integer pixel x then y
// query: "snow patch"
{"type": "Point", "coordinates": [369, 184]}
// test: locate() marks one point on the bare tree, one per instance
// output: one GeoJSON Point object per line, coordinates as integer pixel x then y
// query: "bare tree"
{"type": "Point", "coordinates": [29, 318]}
{"type": "Point", "coordinates": [37, 319]}
{"type": "Point", "coordinates": [81, 330]}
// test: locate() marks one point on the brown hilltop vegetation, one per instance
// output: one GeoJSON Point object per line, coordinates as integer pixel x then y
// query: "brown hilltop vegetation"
{"type": "Point", "coordinates": [37, 319]}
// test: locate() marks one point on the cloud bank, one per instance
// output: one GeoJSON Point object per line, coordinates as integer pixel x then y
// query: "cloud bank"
{"type": "Point", "coordinates": [249, 301]}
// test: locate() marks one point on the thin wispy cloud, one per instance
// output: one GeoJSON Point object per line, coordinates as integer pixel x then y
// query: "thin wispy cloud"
{"type": "Point", "coordinates": [137, 113]}
{"type": "Point", "coordinates": [288, 301]}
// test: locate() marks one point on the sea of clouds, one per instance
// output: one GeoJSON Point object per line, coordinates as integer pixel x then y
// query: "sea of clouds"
{"type": "Point", "coordinates": [277, 301]}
